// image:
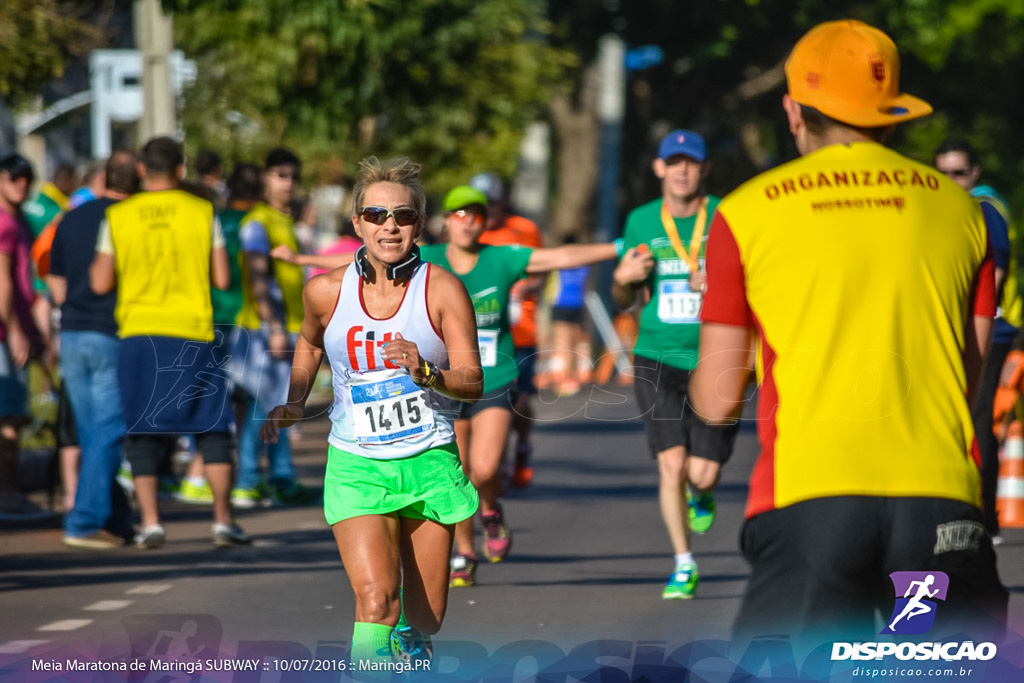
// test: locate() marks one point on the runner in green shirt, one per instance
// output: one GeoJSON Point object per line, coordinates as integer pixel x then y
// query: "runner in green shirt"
{"type": "Point", "coordinates": [666, 238]}
{"type": "Point", "coordinates": [488, 272]}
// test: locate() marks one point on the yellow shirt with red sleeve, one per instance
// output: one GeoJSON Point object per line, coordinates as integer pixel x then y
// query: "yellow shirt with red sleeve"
{"type": "Point", "coordinates": [859, 270]}
{"type": "Point", "coordinates": [524, 232]}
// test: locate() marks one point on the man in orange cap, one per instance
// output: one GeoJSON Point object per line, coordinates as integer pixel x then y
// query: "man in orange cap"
{"type": "Point", "coordinates": [868, 349]}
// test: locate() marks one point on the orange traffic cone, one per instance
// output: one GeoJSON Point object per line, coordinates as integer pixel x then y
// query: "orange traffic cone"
{"type": "Point", "coordinates": [1010, 491]}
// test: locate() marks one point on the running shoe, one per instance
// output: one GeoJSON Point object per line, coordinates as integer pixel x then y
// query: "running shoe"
{"type": "Point", "coordinates": [200, 494]}
{"type": "Point", "coordinates": [682, 585]}
{"type": "Point", "coordinates": [151, 537]}
{"type": "Point", "coordinates": [522, 475]}
{"type": "Point", "coordinates": [227, 535]}
{"type": "Point", "coordinates": [463, 571]}
{"type": "Point", "coordinates": [408, 645]}
{"type": "Point", "coordinates": [702, 511]}
{"type": "Point", "coordinates": [249, 498]}
{"type": "Point", "coordinates": [97, 540]}
{"type": "Point", "coordinates": [497, 537]}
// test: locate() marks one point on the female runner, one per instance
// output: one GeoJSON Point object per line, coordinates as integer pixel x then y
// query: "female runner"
{"type": "Point", "coordinates": [400, 336]}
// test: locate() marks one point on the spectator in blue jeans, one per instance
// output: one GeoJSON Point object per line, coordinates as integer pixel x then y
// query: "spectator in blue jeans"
{"type": "Point", "coordinates": [101, 516]}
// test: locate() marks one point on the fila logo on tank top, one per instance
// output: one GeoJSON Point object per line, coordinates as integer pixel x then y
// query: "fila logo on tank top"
{"type": "Point", "coordinates": [378, 411]}
{"type": "Point", "coordinates": [364, 349]}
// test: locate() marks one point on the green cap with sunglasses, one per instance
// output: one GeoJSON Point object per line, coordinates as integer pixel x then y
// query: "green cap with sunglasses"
{"type": "Point", "coordinates": [462, 196]}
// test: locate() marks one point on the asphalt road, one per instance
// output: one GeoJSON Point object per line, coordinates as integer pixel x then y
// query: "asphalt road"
{"type": "Point", "coordinates": [579, 598]}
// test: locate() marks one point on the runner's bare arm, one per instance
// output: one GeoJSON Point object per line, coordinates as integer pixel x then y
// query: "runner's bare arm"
{"type": "Point", "coordinates": [220, 270]}
{"type": "Point", "coordinates": [570, 256]}
{"type": "Point", "coordinates": [717, 384]}
{"type": "Point", "coordinates": [451, 312]}
{"type": "Point", "coordinates": [318, 300]}
{"type": "Point", "coordinates": [327, 261]}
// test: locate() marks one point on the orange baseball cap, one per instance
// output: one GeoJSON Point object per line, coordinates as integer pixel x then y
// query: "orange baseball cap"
{"type": "Point", "coordinates": [850, 72]}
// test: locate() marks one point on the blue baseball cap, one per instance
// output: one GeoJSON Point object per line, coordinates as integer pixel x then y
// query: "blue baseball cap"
{"type": "Point", "coordinates": [684, 142]}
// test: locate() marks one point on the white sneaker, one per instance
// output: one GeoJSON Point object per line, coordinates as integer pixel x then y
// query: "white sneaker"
{"type": "Point", "coordinates": [225, 536]}
{"type": "Point", "coordinates": [151, 537]}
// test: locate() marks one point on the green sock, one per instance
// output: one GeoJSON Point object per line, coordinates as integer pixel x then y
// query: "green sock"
{"type": "Point", "coordinates": [371, 642]}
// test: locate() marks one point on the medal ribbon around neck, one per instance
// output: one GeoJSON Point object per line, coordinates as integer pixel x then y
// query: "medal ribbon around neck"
{"type": "Point", "coordinates": [698, 233]}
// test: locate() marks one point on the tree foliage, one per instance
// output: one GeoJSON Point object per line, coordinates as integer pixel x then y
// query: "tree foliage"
{"type": "Point", "coordinates": [37, 38]}
{"type": "Point", "coordinates": [452, 82]}
{"type": "Point", "coordinates": [449, 83]}
{"type": "Point", "coordinates": [722, 75]}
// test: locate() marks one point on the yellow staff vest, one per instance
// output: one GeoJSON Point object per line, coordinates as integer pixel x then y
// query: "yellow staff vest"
{"type": "Point", "coordinates": [162, 244]}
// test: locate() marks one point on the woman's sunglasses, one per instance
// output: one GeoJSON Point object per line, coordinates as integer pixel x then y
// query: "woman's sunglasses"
{"type": "Point", "coordinates": [378, 215]}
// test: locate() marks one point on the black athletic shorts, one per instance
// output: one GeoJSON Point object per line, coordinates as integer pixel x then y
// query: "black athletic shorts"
{"type": "Point", "coordinates": [668, 417]}
{"type": "Point", "coordinates": [146, 452]}
{"type": "Point", "coordinates": [820, 569]}
{"type": "Point", "coordinates": [567, 314]}
{"type": "Point", "coordinates": [504, 397]}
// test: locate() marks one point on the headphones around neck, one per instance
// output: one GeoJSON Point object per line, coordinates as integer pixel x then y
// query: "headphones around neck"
{"type": "Point", "coordinates": [394, 271]}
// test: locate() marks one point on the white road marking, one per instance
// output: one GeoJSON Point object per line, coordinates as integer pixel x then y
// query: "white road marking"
{"type": "Point", "coordinates": [65, 625]}
{"type": "Point", "coordinates": [148, 589]}
{"type": "Point", "coordinates": [107, 605]}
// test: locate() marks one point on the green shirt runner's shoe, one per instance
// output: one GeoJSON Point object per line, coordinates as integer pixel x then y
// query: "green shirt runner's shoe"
{"type": "Point", "coordinates": [701, 510]}
{"type": "Point", "coordinates": [682, 585]}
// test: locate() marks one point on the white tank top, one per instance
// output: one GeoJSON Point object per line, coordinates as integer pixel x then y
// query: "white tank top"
{"type": "Point", "coordinates": [378, 411]}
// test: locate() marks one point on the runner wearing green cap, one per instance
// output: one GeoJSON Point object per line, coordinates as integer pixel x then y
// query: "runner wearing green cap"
{"type": "Point", "coordinates": [489, 272]}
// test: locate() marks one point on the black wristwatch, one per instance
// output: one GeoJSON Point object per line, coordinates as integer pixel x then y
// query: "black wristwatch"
{"type": "Point", "coordinates": [430, 374]}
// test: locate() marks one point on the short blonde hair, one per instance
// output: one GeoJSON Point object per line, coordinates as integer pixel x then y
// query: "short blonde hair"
{"type": "Point", "coordinates": [398, 170]}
